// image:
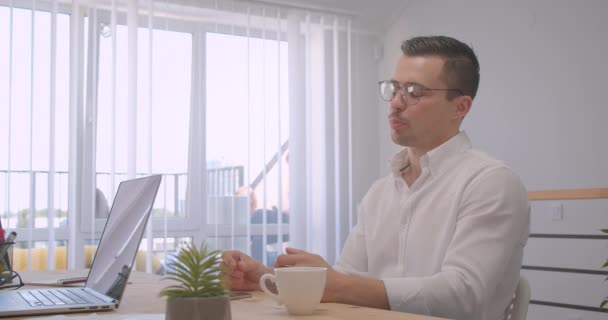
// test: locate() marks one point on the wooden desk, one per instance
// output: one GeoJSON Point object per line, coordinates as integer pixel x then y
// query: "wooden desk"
{"type": "Point", "coordinates": [141, 296]}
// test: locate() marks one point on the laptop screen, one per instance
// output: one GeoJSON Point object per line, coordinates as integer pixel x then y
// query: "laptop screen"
{"type": "Point", "coordinates": [121, 236]}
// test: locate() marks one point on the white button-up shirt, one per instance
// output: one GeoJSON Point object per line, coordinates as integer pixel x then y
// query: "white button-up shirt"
{"type": "Point", "coordinates": [451, 245]}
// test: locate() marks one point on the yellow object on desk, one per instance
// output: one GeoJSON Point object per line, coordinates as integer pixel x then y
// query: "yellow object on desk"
{"type": "Point", "coordinates": [40, 259]}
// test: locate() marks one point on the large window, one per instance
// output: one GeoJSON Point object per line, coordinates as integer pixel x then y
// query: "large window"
{"type": "Point", "coordinates": [96, 92]}
{"type": "Point", "coordinates": [163, 106]}
{"type": "Point", "coordinates": [33, 122]}
{"type": "Point", "coordinates": [246, 129]}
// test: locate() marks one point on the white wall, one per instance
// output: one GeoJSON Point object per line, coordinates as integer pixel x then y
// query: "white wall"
{"type": "Point", "coordinates": [541, 108]}
{"type": "Point", "coordinates": [541, 105]}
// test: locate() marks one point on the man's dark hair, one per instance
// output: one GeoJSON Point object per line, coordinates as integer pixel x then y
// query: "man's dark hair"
{"type": "Point", "coordinates": [461, 68]}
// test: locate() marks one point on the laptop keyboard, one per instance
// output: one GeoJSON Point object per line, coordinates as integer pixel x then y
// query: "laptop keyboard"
{"type": "Point", "coordinates": [53, 297]}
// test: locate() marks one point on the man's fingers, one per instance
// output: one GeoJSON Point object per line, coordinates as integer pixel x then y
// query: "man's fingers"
{"type": "Point", "coordinates": [237, 260]}
{"type": "Point", "coordinates": [228, 264]}
{"type": "Point", "coordinates": [242, 284]}
{"type": "Point", "coordinates": [294, 251]}
{"type": "Point", "coordinates": [230, 258]}
{"type": "Point", "coordinates": [240, 270]}
{"type": "Point", "coordinates": [247, 265]}
{"type": "Point", "coordinates": [291, 259]}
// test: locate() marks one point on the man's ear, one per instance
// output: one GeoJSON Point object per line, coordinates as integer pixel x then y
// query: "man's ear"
{"type": "Point", "coordinates": [463, 105]}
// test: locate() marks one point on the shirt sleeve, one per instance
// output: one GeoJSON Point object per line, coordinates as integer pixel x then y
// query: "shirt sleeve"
{"type": "Point", "coordinates": [491, 230]}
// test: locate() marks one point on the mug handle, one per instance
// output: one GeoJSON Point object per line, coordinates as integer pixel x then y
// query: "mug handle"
{"type": "Point", "coordinates": [265, 289]}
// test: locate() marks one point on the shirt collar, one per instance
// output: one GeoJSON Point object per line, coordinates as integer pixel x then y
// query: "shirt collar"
{"type": "Point", "coordinates": [434, 159]}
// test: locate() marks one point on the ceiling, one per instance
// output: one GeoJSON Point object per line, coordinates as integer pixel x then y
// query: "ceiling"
{"type": "Point", "coordinates": [373, 15]}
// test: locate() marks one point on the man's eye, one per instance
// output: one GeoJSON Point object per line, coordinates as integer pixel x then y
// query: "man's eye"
{"type": "Point", "coordinates": [415, 92]}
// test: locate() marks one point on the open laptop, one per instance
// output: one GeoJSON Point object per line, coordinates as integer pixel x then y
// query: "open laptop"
{"type": "Point", "coordinates": [111, 266]}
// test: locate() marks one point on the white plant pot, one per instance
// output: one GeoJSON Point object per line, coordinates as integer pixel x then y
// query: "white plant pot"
{"type": "Point", "coordinates": [212, 308]}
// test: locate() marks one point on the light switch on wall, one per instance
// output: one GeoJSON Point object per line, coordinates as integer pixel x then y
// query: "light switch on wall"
{"type": "Point", "coordinates": [557, 212]}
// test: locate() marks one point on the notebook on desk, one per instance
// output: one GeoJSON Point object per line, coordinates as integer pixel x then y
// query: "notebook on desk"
{"type": "Point", "coordinates": [111, 266]}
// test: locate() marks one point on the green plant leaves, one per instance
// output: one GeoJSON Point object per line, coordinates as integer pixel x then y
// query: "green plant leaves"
{"type": "Point", "coordinates": [197, 272]}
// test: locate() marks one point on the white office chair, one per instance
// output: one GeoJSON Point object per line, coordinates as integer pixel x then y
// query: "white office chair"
{"type": "Point", "coordinates": [518, 309]}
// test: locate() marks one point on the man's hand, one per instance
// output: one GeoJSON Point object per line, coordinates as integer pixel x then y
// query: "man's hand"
{"type": "Point", "coordinates": [301, 258]}
{"type": "Point", "coordinates": [242, 271]}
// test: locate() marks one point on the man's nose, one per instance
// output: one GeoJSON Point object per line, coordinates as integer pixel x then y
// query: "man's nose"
{"type": "Point", "coordinates": [396, 103]}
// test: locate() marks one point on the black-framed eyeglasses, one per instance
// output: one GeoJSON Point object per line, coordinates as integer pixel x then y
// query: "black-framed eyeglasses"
{"type": "Point", "coordinates": [6, 280]}
{"type": "Point", "coordinates": [410, 92]}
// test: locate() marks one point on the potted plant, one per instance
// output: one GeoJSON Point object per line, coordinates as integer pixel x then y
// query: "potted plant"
{"type": "Point", "coordinates": [199, 292]}
{"type": "Point", "coordinates": [604, 266]}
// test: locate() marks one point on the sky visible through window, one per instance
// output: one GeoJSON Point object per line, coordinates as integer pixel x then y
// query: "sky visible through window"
{"type": "Point", "coordinates": [247, 104]}
{"type": "Point", "coordinates": [170, 109]}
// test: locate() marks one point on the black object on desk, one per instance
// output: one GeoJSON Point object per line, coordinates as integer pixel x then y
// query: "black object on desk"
{"type": "Point", "coordinates": [6, 270]}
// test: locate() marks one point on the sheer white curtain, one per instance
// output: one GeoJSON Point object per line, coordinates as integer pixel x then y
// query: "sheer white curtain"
{"type": "Point", "coordinates": [322, 131]}
{"type": "Point", "coordinates": [293, 98]}
{"type": "Point", "coordinates": [244, 108]}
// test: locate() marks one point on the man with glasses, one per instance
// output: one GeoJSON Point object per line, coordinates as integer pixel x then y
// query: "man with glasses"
{"type": "Point", "coordinates": [443, 234]}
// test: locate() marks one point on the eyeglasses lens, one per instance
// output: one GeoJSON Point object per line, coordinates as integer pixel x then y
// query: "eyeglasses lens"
{"type": "Point", "coordinates": [387, 90]}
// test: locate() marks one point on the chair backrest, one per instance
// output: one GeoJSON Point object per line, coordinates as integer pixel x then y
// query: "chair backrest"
{"type": "Point", "coordinates": [518, 309]}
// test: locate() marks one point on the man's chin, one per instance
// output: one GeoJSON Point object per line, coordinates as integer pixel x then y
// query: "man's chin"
{"type": "Point", "coordinates": [400, 140]}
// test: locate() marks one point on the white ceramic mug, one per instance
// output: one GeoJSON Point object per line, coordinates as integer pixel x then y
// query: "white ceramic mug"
{"type": "Point", "coordinates": [300, 289]}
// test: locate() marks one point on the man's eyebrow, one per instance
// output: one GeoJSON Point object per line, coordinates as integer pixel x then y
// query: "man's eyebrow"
{"type": "Point", "coordinates": [399, 83]}
{"type": "Point", "coordinates": [404, 84]}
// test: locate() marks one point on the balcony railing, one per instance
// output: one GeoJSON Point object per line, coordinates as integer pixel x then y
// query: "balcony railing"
{"type": "Point", "coordinates": [228, 222]}
{"type": "Point", "coordinates": [28, 192]}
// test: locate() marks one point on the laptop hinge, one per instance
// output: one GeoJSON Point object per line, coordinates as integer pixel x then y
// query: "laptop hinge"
{"type": "Point", "coordinates": [101, 296]}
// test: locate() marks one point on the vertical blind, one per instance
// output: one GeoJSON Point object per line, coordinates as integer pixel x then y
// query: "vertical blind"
{"type": "Point", "coordinates": [244, 108]}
